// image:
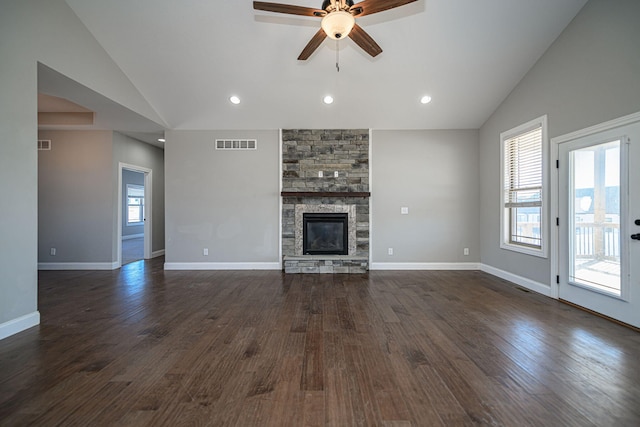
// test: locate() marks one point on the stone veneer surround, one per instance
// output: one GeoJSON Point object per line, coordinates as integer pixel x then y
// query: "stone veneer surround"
{"type": "Point", "coordinates": [304, 154]}
{"type": "Point", "coordinates": [302, 209]}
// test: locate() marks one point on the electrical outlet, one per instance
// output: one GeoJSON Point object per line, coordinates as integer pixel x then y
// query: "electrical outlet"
{"type": "Point", "coordinates": [466, 251]}
{"type": "Point", "coordinates": [205, 251]}
{"type": "Point", "coordinates": [335, 174]}
{"type": "Point", "coordinates": [390, 251]}
{"type": "Point", "coordinates": [320, 174]}
{"type": "Point", "coordinates": [53, 251]}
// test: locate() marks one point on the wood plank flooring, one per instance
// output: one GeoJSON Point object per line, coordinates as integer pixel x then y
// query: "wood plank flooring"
{"type": "Point", "coordinates": [141, 346]}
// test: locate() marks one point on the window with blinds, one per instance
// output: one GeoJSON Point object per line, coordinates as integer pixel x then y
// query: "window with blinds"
{"type": "Point", "coordinates": [135, 204]}
{"type": "Point", "coordinates": [523, 177]}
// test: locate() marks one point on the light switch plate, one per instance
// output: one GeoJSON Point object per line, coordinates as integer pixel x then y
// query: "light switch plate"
{"type": "Point", "coordinates": [404, 210]}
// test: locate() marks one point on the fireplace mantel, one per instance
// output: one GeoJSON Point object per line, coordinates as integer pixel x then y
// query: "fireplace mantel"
{"type": "Point", "coordinates": [325, 194]}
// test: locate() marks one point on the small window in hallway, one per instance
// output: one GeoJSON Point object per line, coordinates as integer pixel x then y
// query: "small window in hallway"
{"type": "Point", "coordinates": [135, 204]}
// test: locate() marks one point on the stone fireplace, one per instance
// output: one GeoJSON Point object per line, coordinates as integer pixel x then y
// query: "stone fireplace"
{"type": "Point", "coordinates": [325, 174]}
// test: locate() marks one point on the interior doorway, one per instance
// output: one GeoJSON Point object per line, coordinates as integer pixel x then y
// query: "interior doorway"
{"type": "Point", "coordinates": [134, 213]}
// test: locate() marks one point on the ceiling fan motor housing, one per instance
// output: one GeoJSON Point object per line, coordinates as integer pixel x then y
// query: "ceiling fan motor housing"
{"type": "Point", "coordinates": [327, 3]}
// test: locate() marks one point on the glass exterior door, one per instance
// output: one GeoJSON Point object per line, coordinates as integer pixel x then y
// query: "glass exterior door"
{"type": "Point", "coordinates": [599, 222]}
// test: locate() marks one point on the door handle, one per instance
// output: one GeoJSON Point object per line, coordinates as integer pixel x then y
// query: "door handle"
{"type": "Point", "coordinates": [635, 236]}
{"type": "Point", "coordinates": [637, 221]}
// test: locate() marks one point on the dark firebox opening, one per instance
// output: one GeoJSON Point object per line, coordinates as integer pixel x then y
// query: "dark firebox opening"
{"type": "Point", "coordinates": [325, 234]}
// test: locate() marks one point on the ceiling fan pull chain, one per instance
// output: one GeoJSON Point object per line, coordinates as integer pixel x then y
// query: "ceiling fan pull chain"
{"type": "Point", "coordinates": [337, 57]}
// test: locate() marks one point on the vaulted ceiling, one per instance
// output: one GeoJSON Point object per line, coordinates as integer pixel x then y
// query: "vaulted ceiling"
{"type": "Point", "coordinates": [188, 57]}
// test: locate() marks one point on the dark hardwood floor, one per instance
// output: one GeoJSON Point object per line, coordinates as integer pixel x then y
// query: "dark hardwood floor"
{"type": "Point", "coordinates": [143, 346]}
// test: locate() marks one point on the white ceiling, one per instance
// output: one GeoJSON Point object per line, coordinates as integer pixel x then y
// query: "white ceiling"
{"type": "Point", "coordinates": [187, 57]}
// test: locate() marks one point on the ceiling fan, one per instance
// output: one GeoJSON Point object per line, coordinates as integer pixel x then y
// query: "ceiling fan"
{"type": "Point", "coordinates": [338, 20]}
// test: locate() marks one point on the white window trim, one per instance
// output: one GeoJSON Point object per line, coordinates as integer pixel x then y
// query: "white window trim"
{"type": "Point", "coordinates": [544, 216]}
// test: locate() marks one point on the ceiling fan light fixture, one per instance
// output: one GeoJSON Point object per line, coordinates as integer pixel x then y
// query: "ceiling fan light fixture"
{"type": "Point", "coordinates": [234, 99]}
{"type": "Point", "coordinates": [328, 99]}
{"type": "Point", "coordinates": [425, 99]}
{"type": "Point", "coordinates": [337, 25]}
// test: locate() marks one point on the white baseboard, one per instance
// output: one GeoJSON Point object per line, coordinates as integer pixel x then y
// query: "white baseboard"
{"type": "Point", "coordinates": [532, 285]}
{"type": "Point", "coordinates": [156, 254]}
{"type": "Point", "coordinates": [132, 236]}
{"type": "Point", "coordinates": [424, 266]}
{"type": "Point", "coordinates": [19, 324]}
{"type": "Point", "coordinates": [77, 265]}
{"type": "Point", "coordinates": [222, 266]}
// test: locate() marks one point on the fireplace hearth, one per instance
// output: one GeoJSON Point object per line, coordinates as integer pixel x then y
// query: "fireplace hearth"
{"type": "Point", "coordinates": [325, 234]}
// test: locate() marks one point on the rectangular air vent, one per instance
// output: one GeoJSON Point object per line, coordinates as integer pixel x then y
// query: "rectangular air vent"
{"type": "Point", "coordinates": [44, 144]}
{"type": "Point", "coordinates": [236, 144]}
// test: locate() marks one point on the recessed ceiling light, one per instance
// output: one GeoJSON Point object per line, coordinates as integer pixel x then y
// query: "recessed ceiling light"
{"type": "Point", "coordinates": [234, 100]}
{"type": "Point", "coordinates": [160, 139]}
{"type": "Point", "coordinates": [425, 99]}
{"type": "Point", "coordinates": [328, 99]}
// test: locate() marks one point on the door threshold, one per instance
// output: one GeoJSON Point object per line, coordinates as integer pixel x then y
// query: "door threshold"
{"type": "Point", "coordinates": [611, 319]}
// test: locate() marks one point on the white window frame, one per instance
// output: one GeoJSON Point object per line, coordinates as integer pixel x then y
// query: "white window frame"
{"type": "Point", "coordinates": [137, 223]}
{"type": "Point", "coordinates": [505, 232]}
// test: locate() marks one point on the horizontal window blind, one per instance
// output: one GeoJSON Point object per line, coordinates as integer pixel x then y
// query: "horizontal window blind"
{"type": "Point", "coordinates": [523, 169]}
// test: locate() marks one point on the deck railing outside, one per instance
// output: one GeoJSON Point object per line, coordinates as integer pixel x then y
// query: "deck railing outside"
{"type": "Point", "coordinates": [600, 241]}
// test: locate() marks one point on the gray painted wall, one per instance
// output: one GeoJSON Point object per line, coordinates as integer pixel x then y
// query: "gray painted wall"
{"type": "Point", "coordinates": [134, 178]}
{"type": "Point", "coordinates": [75, 184]}
{"type": "Point", "coordinates": [226, 201]}
{"type": "Point", "coordinates": [18, 178]}
{"type": "Point", "coordinates": [77, 194]}
{"type": "Point", "coordinates": [590, 74]}
{"type": "Point", "coordinates": [435, 175]}
{"type": "Point", "coordinates": [133, 152]}
{"type": "Point", "coordinates": [49, 32]}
